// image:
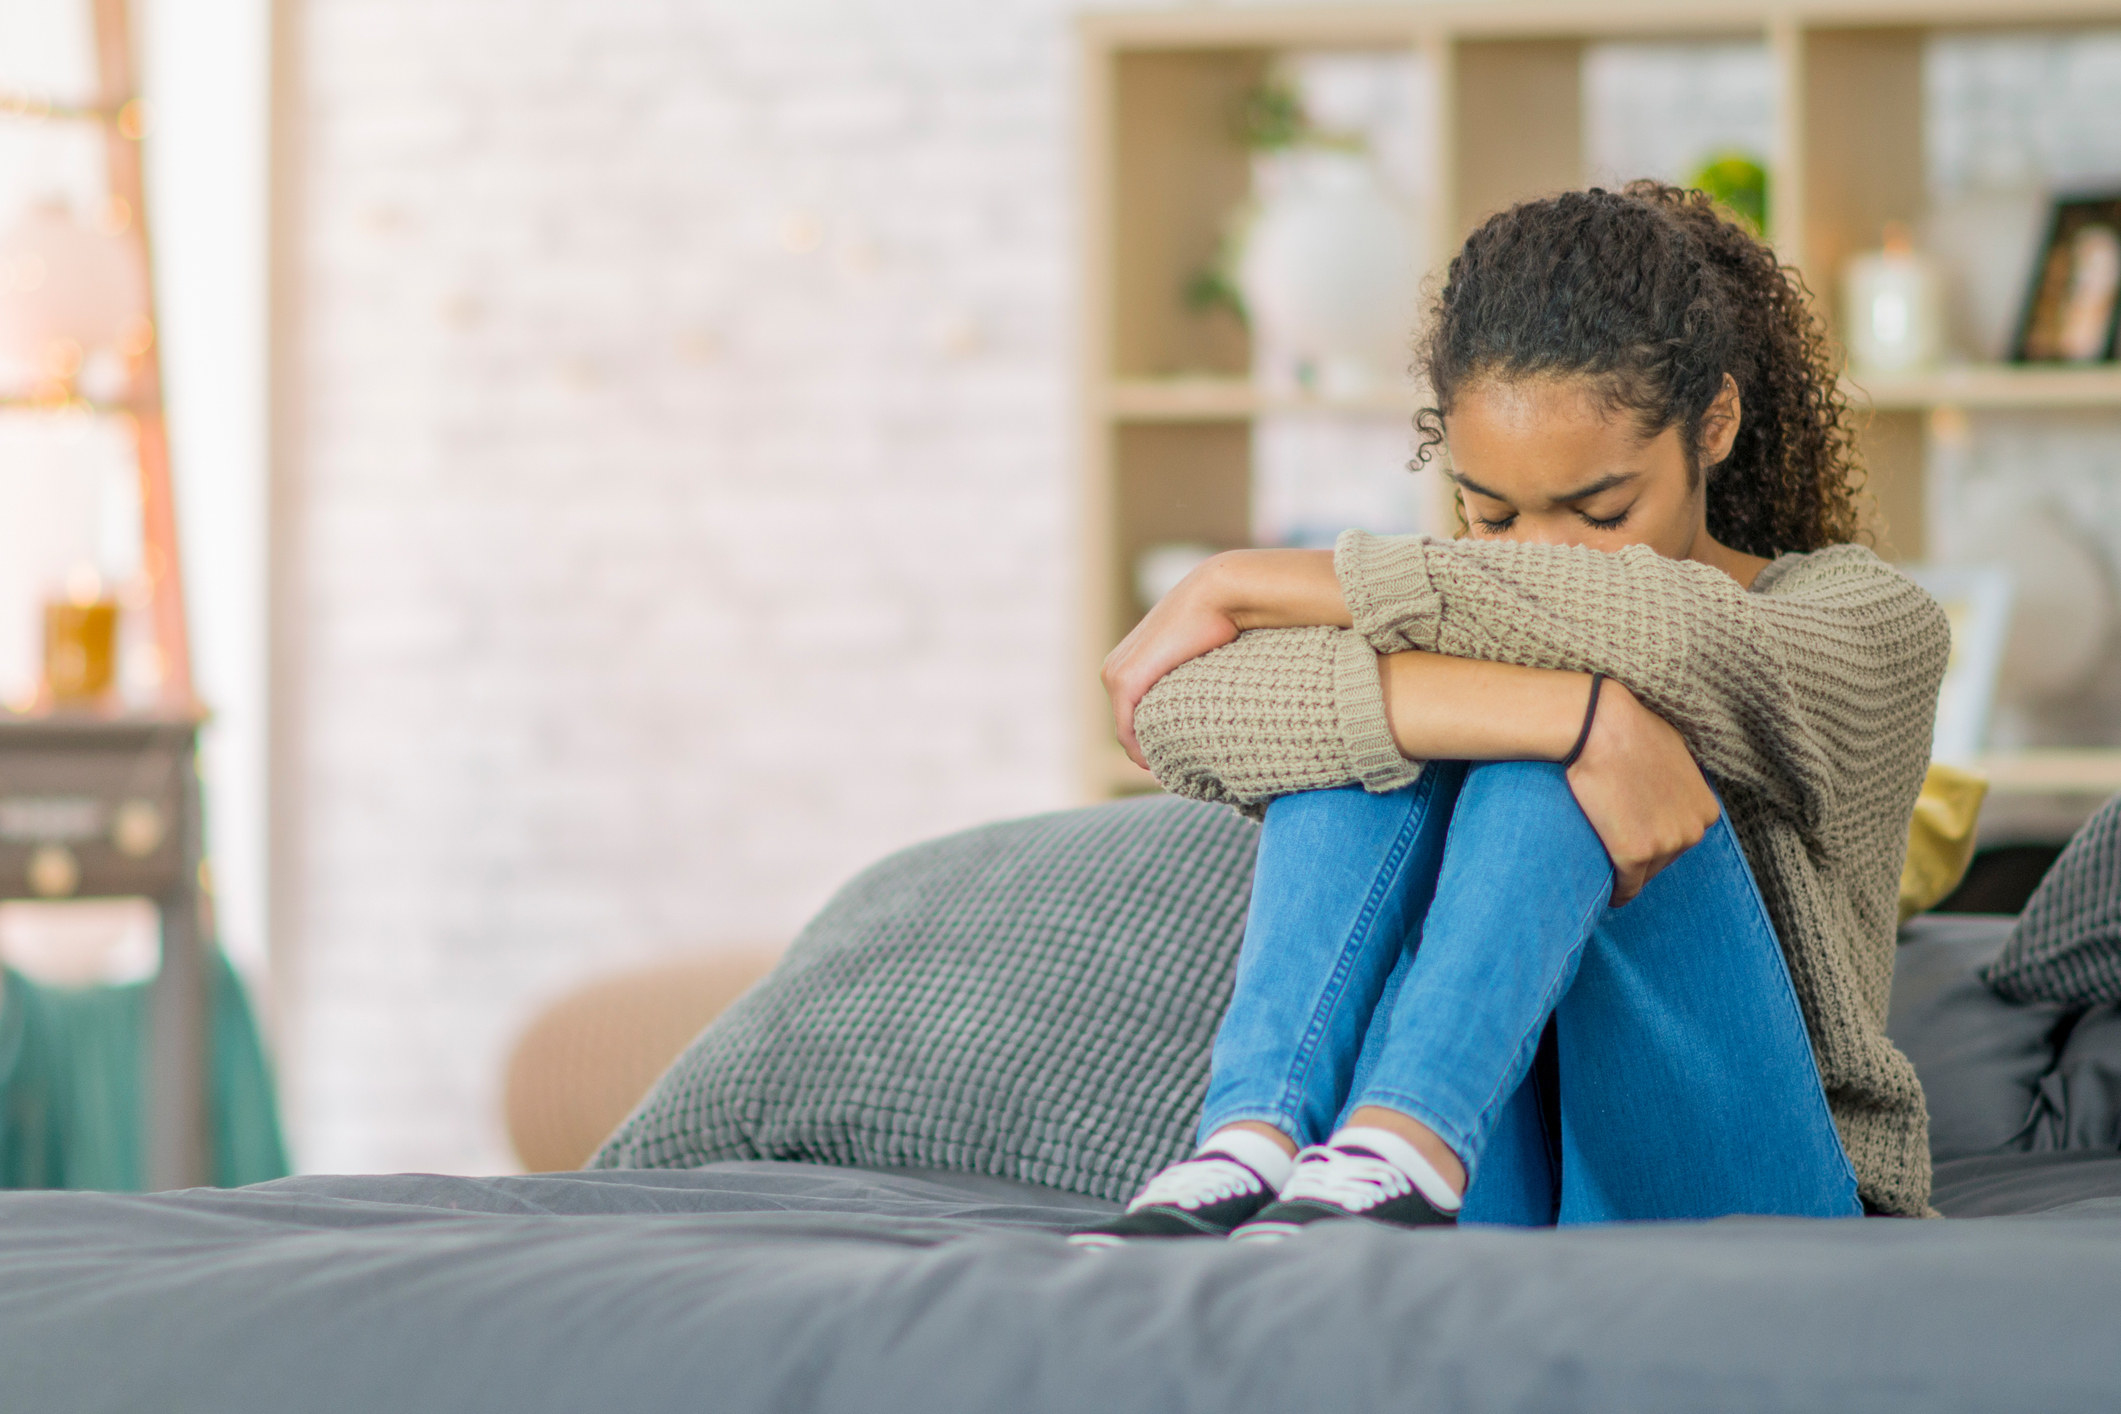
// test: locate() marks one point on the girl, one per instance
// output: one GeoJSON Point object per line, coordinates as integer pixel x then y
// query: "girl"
{"type": "Point", "coordinates": [1511, 956]}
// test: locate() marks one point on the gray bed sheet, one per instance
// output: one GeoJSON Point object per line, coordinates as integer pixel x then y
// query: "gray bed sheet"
{"type": "Point", "coordinates": [788, 1287]}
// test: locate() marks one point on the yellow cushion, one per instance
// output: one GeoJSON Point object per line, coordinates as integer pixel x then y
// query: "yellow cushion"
{"type": "Point", "coordinates": [1940, 840]}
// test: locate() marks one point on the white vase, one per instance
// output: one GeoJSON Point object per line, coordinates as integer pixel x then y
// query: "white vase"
{"type": "Point", "coordinates": [1330, 275]}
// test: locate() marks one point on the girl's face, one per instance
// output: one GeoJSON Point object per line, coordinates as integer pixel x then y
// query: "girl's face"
{"type": "Point", "coordinates": [1538, 460]}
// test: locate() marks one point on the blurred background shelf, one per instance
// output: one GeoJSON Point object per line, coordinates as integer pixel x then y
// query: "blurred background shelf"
{"type": "Point", "coordinates": [2094, 772]}
{"type": "Point", "coordinates": [1234, 400]}
{"type": "Point", "coordinates": [1999, 387]}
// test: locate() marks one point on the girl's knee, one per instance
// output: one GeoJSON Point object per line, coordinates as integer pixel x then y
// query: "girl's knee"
{"type": "Point", "coordinates": [1532, 778]}
{"type": "Point", "coordinates": [1436, 785]}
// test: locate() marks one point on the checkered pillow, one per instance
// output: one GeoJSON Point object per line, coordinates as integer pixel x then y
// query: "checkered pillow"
{"type": "Point", "coordinates": [2067, 945]}
{"type": "Point", "coordinates": [1034, 1000]}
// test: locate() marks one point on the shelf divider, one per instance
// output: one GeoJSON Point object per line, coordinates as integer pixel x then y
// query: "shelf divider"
{"type": "Point", "coordinates": [2092, 771]}
{"type": "Point", "coordinates": [1994, 386]}
{"type": "Point", "coordinates": [1216, 399]}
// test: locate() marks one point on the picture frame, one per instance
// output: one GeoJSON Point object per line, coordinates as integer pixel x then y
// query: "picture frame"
{"type": "Point", "coordinates": [2073, 305]}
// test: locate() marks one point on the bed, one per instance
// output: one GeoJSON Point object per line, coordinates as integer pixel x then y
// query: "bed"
{"type": "Point", "coordinates": [780, 1285]}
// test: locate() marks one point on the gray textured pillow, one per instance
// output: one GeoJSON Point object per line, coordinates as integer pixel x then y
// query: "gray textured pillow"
{"type": "Point", "coordinates": [1034, 1000]}
{"type": "Point", "coordinates": [2067, 945]}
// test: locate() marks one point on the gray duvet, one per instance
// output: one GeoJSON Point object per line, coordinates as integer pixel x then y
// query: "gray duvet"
{"type": "Point", "coordinates": [783, 1287]}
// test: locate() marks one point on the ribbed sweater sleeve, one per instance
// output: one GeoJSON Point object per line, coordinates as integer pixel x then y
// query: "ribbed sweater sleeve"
{"type": "Point", "coordinates": [1278, 711]}
{"type": "Point", "coordinates": [1785, 695]}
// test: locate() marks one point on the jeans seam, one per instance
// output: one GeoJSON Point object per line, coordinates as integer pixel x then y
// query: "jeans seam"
{"type": "Point", "coordinates": [1788, 993]}
{"type": "Point", "coordinates": [1307, 1050]}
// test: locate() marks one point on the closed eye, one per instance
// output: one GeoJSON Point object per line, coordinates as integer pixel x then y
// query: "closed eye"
{"type": "Point", "coordinates": [1610, 523]}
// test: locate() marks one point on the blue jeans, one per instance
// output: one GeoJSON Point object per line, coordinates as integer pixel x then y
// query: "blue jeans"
{"type": "Point", "coordinates": [1419, 950]}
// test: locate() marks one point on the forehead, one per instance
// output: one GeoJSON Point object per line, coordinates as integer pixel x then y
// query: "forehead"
{"type": "Point", "coordinates": [1534, 439]}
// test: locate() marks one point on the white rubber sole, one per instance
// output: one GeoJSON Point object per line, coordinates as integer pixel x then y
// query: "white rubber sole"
{"type": "Point", "coordinates": [1267, 1232]}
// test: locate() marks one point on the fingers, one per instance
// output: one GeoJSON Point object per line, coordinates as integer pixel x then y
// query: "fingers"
{"type": "Point", "coordinates": [1629, 878]}
{"type": "Point", "coordinates": [1124, 729]}
{"type": "Point", "coordinates": [1124, 701]}
{"type": "Point", "coordinates": [1632, 873]}
{"type": "Point", "coordinates": [1126, 696]}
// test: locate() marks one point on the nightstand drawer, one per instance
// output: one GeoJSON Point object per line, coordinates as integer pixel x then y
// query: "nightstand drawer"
{"type": "Point", "coordinates": [93, 812]}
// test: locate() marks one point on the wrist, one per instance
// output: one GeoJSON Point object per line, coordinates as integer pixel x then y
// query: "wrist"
{"type": "Point", "coordinates": [1278, 589]}
{"type": "Point", "coordinates": [1218, 585]}
{"type": "Point", "coordinates": [1445, 708]}
{"type": "Point", "coordinates": [1616, 726]}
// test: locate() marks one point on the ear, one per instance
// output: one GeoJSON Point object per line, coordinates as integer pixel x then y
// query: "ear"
{"type": "Point", "coordinates": [1719, 425]}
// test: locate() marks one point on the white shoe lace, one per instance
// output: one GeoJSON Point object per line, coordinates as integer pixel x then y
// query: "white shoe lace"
{"type": "Point", "coordinates": [1354, 1183]}
{"type": "Point", "coordinates": [1196, 1183]}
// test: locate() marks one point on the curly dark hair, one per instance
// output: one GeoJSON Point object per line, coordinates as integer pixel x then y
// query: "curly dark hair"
{"type": "Point", "coordinates": [1654, 295]}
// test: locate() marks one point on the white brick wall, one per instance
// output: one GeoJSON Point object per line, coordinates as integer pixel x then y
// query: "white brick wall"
{"type": "Point", "coordinates": [686, 510]}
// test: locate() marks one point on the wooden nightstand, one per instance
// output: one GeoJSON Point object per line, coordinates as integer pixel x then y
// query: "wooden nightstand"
{"type": "Point", "coordinates": [108, 807]}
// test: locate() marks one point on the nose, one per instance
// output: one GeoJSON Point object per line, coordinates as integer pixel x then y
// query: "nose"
{"type": "Point", "coordinates": [1556, 527]}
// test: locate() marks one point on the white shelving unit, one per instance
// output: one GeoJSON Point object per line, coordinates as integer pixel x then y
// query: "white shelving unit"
{"type": "Point", "coordinates": [1167, 411]}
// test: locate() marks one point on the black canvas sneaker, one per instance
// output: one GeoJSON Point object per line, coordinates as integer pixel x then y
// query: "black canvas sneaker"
{"type": "Point", "coordinates": [1206, 1196]}
{"type": "Point", "coordinates": [1333, 1184]}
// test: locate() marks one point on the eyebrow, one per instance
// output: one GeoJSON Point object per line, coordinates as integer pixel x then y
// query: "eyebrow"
{"type": "Point", "coordinates": [1584, 493]}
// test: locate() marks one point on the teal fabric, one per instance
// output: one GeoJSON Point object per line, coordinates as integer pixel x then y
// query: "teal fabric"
{"type": "Point", "coordinates": [71, 1087]}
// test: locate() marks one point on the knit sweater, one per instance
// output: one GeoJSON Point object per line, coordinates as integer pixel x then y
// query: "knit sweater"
{"type": "Point", "coordinates": [1808, 699]}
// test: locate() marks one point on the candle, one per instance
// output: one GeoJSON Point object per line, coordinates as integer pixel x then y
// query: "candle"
{"type": "Point", "coordinates": [1892, 307]}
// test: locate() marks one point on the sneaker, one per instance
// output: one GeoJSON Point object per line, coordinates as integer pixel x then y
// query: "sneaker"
{"type": "Point", "coordinates": [1332, 1184]}
{"type": "Point", "coordinates": [1206, 1196]}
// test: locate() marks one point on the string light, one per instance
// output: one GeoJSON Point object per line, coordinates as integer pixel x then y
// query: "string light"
{"type": "Point", "coordinates": [34, 106]}
{"type": "Point", "coordinates": [138, 337]}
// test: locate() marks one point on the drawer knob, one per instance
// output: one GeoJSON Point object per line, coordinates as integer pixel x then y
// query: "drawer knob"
{"type": "Point", "coordinates": [136, 828]}
{"type": "Point", "coordinates": [53, 871]}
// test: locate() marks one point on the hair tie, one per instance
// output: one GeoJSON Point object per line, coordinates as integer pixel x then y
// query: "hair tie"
{"type": "Point", "coordinates": [1590, 715]}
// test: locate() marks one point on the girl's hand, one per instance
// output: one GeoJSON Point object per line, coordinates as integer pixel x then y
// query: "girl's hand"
{"type": "Point", "coordinates": [1186, 623]}
{"type": "Point", "coordinates": [1225, 595]}
{"type": "Point", "coordinates": [1641, 790]}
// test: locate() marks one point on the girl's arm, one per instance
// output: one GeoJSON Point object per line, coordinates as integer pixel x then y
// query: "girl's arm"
{"type": "Point", "coordinates": [1635, 779]}
{"type": "Point", "coordinates": [1314, 708]}
{"type": "Point", "coordinates": [1695, 648]}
